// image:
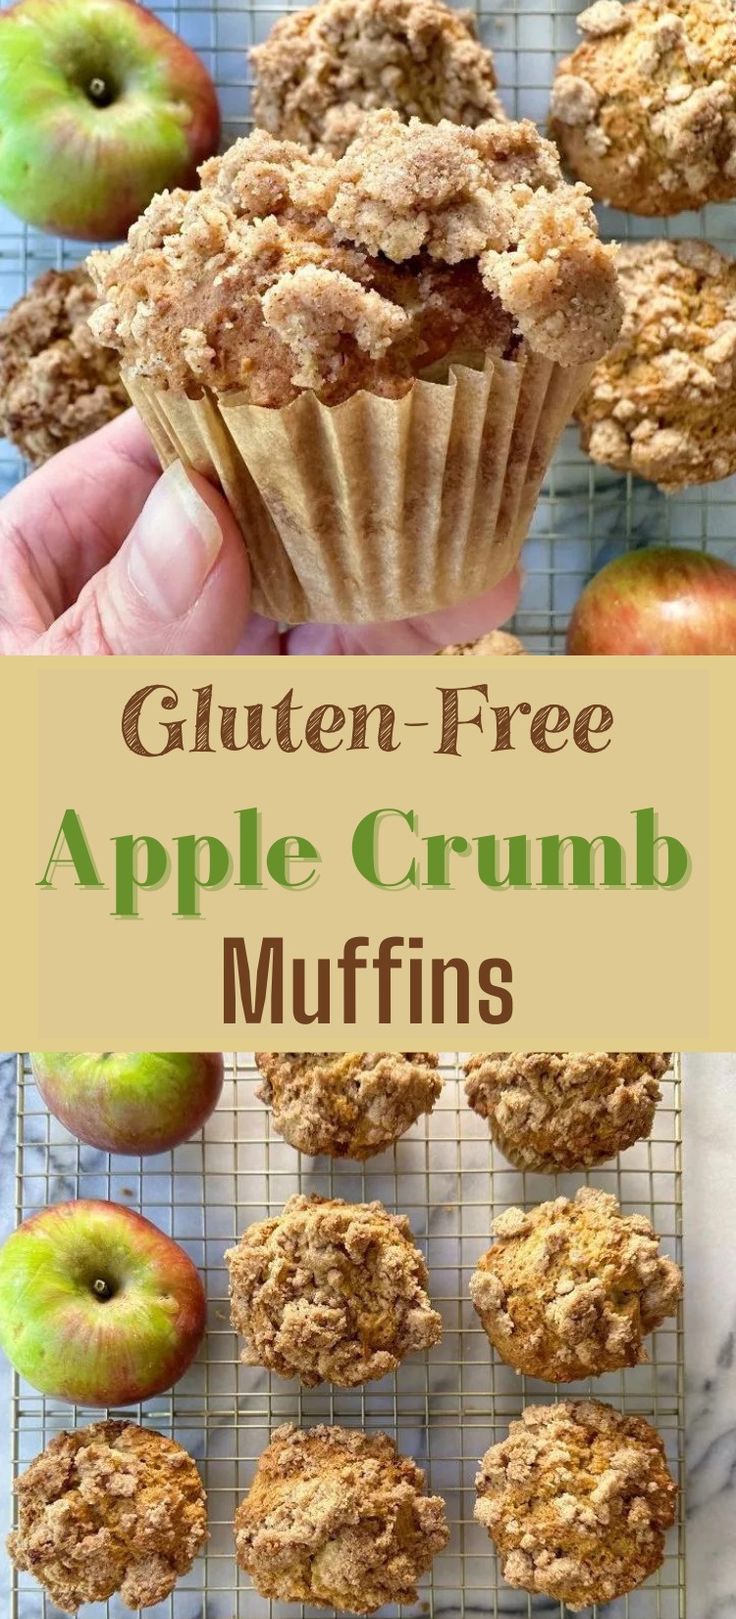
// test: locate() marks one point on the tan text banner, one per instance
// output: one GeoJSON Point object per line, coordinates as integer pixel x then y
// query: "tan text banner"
{"type": "Point", "coordinates": [331, 853]}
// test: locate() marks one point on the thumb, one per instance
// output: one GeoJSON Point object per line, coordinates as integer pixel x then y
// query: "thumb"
{"type": "Point", "coordinates": [179, 583]}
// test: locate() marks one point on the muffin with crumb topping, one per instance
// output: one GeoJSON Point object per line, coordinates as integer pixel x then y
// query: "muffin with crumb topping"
{"type": "Point", "coordinates": [324, 67]}
{"type": "Point", "coordinates": [348, 1104]}
{"type": "Point", "coordinates": [56, 383]}
{"type": "Point", "coordinates": [662, 403]}
{"type": "Point", "coordinates": [337, 1518]}
{"type": "Point", "coordinates": [644, 111]}
{"type": "Point", "coordinates": [578, 1499]}
{"type": "Point", "coordinates": [330, 1291]}
{"type": "Point", "coordinates": [113, 1508]}
{"type": "Point", "coordinates": [571, 1288]}
{"type": "Point", "coordinates": [496, 644]}
{"type": "Point", "coordinates": [375, 354]}
{"type": "Point", "coordinates": [560, 1110]}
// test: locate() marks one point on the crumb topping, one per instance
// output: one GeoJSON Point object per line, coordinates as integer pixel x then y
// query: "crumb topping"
{"type": "Point", "coordinates": [338, 1518]}
{"type": "Point", "coordinates": [572, 1287]}
{"type": "Point", "coordinates": [56, 383]}
{"type": "Point", "coordinates": [577, 1499]}
{"type": "Point", "coordinates": [322, 68]}
{"type": "Point", "coordinates": [663, 403]}
{"type": "Point", "coordinates": [290, 269]}
{"type": "Point", "coordinates": [350, 1104]}
{"type": "Point", "coordinates": [109, 1509]}
{"type": "Point", "coordinates": [330, 1292]}
{"type": "Point", "coordinates": [562, 1110]}
{"type": "Point", "coordinates": [645, 109]}
{"type": "Point", "coordinates": [498, 643]}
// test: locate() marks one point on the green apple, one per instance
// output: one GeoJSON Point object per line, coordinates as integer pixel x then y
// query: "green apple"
{"type": "Point", "coordinates": [130, 1101]}
{"type": "Point", "coordinates": [101, 106]}
{"type": "Point", "coordinates": [97, 1306]}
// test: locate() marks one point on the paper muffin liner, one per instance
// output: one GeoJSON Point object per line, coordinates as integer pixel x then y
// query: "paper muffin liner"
{"type": "Point", "coordinates": [377, 509]}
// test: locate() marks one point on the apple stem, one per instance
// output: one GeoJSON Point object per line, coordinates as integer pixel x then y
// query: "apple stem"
{"type": "Point", "coordinates": [99, 92]}
{"type": "Point", "coordinates": [101, 1288]}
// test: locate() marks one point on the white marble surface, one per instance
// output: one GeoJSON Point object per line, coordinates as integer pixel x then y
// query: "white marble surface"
{"type": "Point", "coordinates": [710, 1327]}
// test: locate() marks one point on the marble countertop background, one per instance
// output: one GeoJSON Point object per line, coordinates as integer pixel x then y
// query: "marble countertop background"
{"type": "Point", "coordinates": [709, 1112]}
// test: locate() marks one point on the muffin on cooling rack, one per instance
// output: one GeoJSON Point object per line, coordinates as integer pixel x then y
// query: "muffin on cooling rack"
{"type": "Point", "coordinates": [578, 1499]}
{"type": "Point", "coordinates": [662, 404]}
{"type": "Point", "coordinates": [571, 1288]}
{"type": "Point", "coordinates": [330, 1292]}
{"type": "Point", "coordinates": [349, 1104]}
{"type": "Point", "coordinates": [322, 68]}
{"type": "Point", "coordinates": [560, 1110]}
{"type": "Point", "coordinates": [375, 354]}
{"type": "Point", "coordinates": [338, 1518]}
{"type": "Point", "coordinates": [644, 111]}
{"type": "Point", "coordinates": [56, 383]}
{"type": "Point", "coordinates": [497, 644]}
{"type": "Point", "coordinates": [109, 1509]}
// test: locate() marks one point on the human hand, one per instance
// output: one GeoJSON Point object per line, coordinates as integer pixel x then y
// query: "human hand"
{"type": "Point", "coordinates": [100, 554]}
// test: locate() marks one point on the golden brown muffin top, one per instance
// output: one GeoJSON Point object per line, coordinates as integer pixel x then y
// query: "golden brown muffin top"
{"type": "Point", "coordinates": [663, 402]}
{"type": "Point", "coordinates": [290, 270]}
{"type": "Point", "coordinates": [56, 383]}
{"type": "Point", "coordinates": [350, 1104]}
{"type": "Point", "coordinates": [577, 1500]}
{"type": "Point", "coordinates": [572, 1287]}
{"type": "Point", "coordinates": [323, 67]}
{"type": "Point", "coordinates": [330, 1291]}
{"type": "Point", "coordinates": [109, 1508]}
{"type": "Point", "coordinates": [645, 109]}
{"type": "Point", "coordinates": [497, 643]}
{"type": "Point", "coordinates": [562, 1110]}
{"type": "Point", "coordinates": [338, 1518]}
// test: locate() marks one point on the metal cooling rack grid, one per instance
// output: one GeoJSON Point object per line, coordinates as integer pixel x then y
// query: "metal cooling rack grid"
{"type": "Point", "coordinates": [445, 1409]}
{"type": "Point", "coordinates": [587, 513]}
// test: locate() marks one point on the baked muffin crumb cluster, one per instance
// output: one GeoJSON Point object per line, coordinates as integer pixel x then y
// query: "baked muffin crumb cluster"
{"type": "Point", "coordinates": [350, 1104]}
{"type": "Point", "coordinates": [497, 644]}
{"type": "Point", "coordinates": [56, 383]}
{"type": "Point", "coordinates": [338, 1518]}
{"type": "Point", "coordinates": [323, 67]}
{"type": "Point", "coordinates": [109, 1508]}
{"type": "Point", "coordinates": [562, 1110]}
{"type": "Point", "coordinates": [662, 403]}
{"type": "Point", "coordinates": [291, 270]}
{"type": "Point", "coordinates": [572, 1287]}
{"type": "Point", "coordinates": [645, 109]}
{"type": "Point", "coordinates": [577, 1499]}
{"type": "Point", "coordinates": [331, 1291]}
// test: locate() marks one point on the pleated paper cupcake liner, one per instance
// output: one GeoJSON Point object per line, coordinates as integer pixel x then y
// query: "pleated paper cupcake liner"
{"type": "Point", "coordinates": [377, 509]}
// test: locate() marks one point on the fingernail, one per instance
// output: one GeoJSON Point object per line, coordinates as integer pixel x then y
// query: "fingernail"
{"type": "Point", "coordinates": [174, 545]}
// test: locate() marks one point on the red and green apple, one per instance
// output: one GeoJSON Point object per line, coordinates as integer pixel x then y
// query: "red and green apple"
{"type": "Point", "coordinates": [101, 106]}
{"type": "Point", "coordinates": [658, 602]}
{"type": "Point", "coordinates": [97, 1306]}
{"type": "Point", "coordinates": [136, 1102]}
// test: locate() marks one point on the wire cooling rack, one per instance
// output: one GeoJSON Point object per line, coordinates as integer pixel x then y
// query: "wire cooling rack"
{"type": "Point", "coordinates": [444, 1408]}
{"type": "Point", "coordinates": [587, 514]}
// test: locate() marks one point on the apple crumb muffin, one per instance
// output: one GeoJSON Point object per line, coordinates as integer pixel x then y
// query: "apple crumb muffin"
{"type": "Point", "coordinates": [113, 1508]}
{"type": "Point", "coordinates": [577, 1499]}
{"type": "Point", "coordinates": [644, 111]}
{"type": "Point", "coordinates": [349, 1104]}
{"type": "Point", "coordinates": [56, 383]}
{"type": "Point", "coordinates": [497, 644]}
{"type": "Point", "coordinates": [571, 1288]}
{"type": "Point", "coordinates": [323, 67]}
{"type": "Point", "coordinates": [559, 1110]}
{"type": "Point", "coordinates": [290, 270]}
{"type": "Point", "coordinates": [338, 1518]}
{"type": "Point", "coordinates": [662, 403]}
{"type": "Point", "coordinates": [330, 1291]}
